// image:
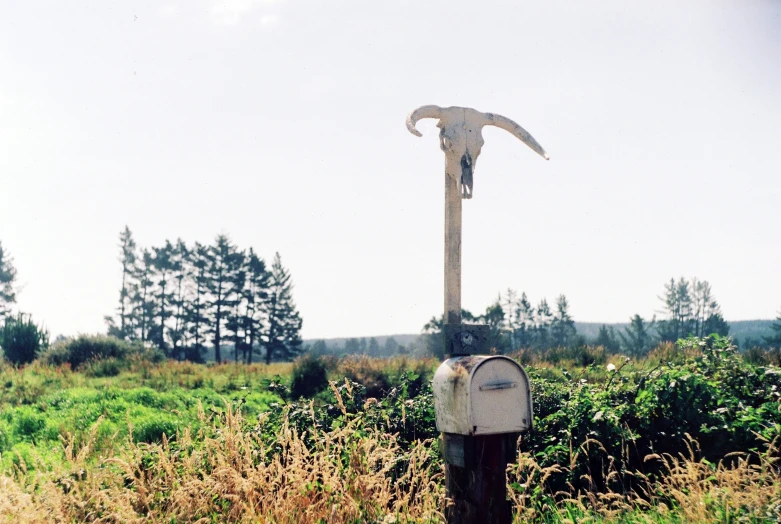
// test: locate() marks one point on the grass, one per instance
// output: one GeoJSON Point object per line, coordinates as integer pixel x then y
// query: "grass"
{"type": "Point", "coordinates": [179, 442]}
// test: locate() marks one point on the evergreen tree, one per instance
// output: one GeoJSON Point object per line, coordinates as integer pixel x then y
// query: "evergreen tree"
{"type": "Point", "coordinates": [7, 281]}
{"type": "Point", "coordinates": [319, 348]}
{"type": "Point", "coordinates": [494, 317]}
{"type": "Point", "coordinates": [637, 337]}
{"type": "Point", "coordinates": [162, 266]}
{"type": "Point", "coordinates": [143, 298]}
{"type": "Point", "coordinates": [180, 273]}
{"type": "Point", "coordinates": [543, 320]}
{"type": "Point", "coordinates": [774, 340]}
{"type": "Point", "coordinates": [283, 332]}
{"type": "Point", "coordinates": [562, 326]}
{"type": "Point", "coordinates": [679, 310]}
{"type": "Point", "coordinates": [197, 308]}
{"type": "Point", "coordinates": [255, 295]}
{"type": "Point", "coordinates": [237, 318]}
{"type": "Point", "coordinates": [128, 260]}
{"type": "Point", "coordinates": [524, 321]}
{"type": "Point", "coordinates": [608, 339]}
{"type": "Point", "coordinates": [374, 347]}
{"type": "Point", "coordinates": [218, 278]}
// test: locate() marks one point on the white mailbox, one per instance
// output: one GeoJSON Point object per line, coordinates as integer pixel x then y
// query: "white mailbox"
{"type": "Point", "coordinates": [482, 395]}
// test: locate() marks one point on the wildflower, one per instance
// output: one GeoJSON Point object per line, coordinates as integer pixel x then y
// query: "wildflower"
{"type": "Point", "coordinates": [611, 367]}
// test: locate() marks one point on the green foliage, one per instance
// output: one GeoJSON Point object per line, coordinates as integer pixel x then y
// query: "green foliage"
{"type": "Point", "coordinates": [310, 377]}
{"type": "Point", "coordinates": [7, 281]}
{"type": "Point", "coordinates": [90, 348]}
{"type": "Point", "coordinates": [22, 340]}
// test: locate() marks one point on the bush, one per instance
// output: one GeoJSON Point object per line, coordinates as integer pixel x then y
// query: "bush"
{"type": "Point", "coordinates": [109, 367]}
{"type": "Point", "coordinates": [310, 377]}
{"type": "Point", "coordinates": [22, 340]}
{"type": "Point", "coordinates": [91, 348]}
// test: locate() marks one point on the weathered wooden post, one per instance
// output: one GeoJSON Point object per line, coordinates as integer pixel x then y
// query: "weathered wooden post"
{"type": "Point", "coordinates": [482, 402]}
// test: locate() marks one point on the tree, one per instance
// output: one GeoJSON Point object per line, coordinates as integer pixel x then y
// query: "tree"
{"type": "Point", "coordinates": [494, 317]}
{"type": "Point", "coordinates": [608, 339]}
{"type": "Point", "coordinates": [774, 340]}
{"type": "Point", "coordinates": [283, 330]}
{"type": "Point", "coordinates": [162, 266]}
{"type": "Point", "coordinates": [255, 296]}
{"type": "Point", "coordinates": [7, 281]}
{"type": "Point", "coordinates": [143, 299]}
{"type": "Point", "coordinates": [180, 273]}
{"type": "Point", "coordinates": [218, 277]}
{"type": "Point", "coordinates": [544, 318]}
{"type": "Point", "coordinates": [22, 340]}
{"type": "Point", "coordinates": [678, 308]}
{"type": "Point", "coordinates": [562, 326]}
{"type": "Point", "coordinates": [373, 349]}
{"type": "Point", "coordinates": [524, 322]}
{"type": "Point", "coordinates": [197, 320]}
{"type": "Point", "coordinates": [128, 259]}
{"type": "Point", "coordinates": [637, 337]}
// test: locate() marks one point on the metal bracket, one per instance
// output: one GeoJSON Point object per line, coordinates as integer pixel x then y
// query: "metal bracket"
{"type": "Point", "coordinates": [466, 339]}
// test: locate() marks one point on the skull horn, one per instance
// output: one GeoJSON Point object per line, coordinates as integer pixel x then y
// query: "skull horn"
{"type": "Point", "coordinates": [508, 125]}
{"type": "Point", "coordinates": [423, 112]}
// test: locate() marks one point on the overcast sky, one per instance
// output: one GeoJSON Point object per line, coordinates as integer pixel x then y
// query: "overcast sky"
{"type": "Point", "coordinates": [281, 123]}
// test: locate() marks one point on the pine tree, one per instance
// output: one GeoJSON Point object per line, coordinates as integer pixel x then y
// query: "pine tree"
{"type": "Point", "coordinates": [218, 278]}
{"type": "Point", "coordinates": [236, 318]}
{"type": "Point", "coordinates": [544, 318]}
{"type": "Point", "coordinates": [608, 339]}
{"type": "Point", "coordinates": [679, 310]}
{"type": "Point", "coordinates": [562, 327]}
{"type": "Point", "coordinates": [774, 340]}
{"type": "Point", "coordinates": [180, 273]}
{"type": "Point", "coordinates": [256, 299]}
{"type": "Point", "coordinates": [524, 313]}
{"type": "Point", "coordinates": [162, 266]}
{"type": "Point", "coordinates": [143, 298]}
{"type": "Point", "coordinates": [283, 332]}
{"type": "Point", "coordinates": [637, 338]}
{"type": "Point", "coordinates": [128, 259]}
{"type": "Point", "coordinates": [7, 281]}
{"type": "Point", "coordinates": [198, 259]}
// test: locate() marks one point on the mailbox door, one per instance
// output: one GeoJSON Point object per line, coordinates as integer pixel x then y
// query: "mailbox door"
{"type": "Point", "coordinates": [500, 397]}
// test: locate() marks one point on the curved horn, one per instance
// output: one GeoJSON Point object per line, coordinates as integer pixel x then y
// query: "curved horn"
{"type": "Point", "coordinates": [422, 112]}
{"type": "Point", "coordinates": [519, 132]}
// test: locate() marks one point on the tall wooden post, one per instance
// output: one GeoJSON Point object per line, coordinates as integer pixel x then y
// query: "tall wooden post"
{"type": "Point", "coordinates": [452, 251]}
{"type": "Point", "coordinates": [475, 465]}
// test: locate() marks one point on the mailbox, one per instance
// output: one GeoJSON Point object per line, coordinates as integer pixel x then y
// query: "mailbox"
{"type": "Point", "coordinates": [482, 395]}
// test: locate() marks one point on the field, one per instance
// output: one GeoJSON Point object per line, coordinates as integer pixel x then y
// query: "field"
{"type": "Point", "coordinates": [687, 434]}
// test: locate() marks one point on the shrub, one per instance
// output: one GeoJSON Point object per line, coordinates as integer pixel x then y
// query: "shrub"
{"type": "Point", "coordinates": [151, 430]}
{"type": "Point", "coordinates": [309, 377]}
{"type": "Point", "coordinates": [109, 367]}
{"type": "Point", "coordinates": [86, 348]}
{"type": "Point", "coordinates": [22, 340]}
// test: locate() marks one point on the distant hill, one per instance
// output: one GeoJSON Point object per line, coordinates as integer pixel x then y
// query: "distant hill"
{"type": "Point", "coordinates": [332, 343]}
{"type": "Point", "coordinates": [739, 330]}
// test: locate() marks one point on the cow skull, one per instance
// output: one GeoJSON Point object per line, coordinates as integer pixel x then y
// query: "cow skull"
{"type": "Point", "coordinates": [461, 138]}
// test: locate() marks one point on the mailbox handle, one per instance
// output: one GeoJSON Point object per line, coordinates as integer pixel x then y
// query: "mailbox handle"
{"type": "Point", "coordinates": [498, 385]}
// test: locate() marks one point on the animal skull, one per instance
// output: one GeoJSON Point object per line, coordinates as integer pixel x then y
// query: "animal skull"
{"type": "Point", "coordinates": [461, 138]}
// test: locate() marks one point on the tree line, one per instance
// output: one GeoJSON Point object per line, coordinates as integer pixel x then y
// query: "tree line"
{"type": "Point", "coordinates": [689, 308]}
{"type": "Point", "coordinates": [185, 298]}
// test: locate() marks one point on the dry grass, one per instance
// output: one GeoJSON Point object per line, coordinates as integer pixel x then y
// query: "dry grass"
{"type": "Point", "coordinates": [741, 488]}
{"type": "Point", "coordinates": [232, 475]}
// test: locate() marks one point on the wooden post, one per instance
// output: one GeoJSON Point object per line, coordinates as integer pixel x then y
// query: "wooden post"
{"type": "Point", "coordinates": [478, 488]}
{"type": "Point", "coordinates": [452, 251]}
{"type": "Point", "coordinates": [478, 491]}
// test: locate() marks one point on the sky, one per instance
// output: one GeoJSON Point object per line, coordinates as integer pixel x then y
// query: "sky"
{"type": "Point", "coordinates": [281, 124]}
